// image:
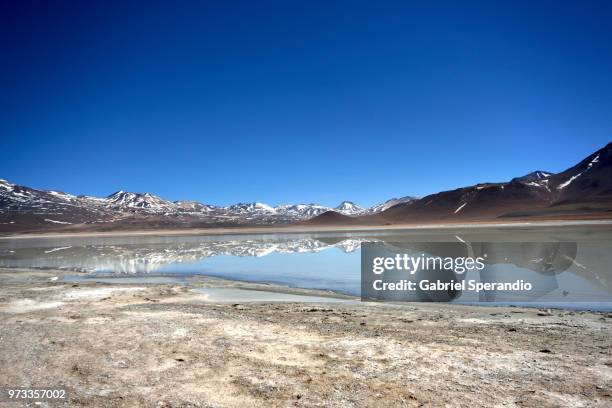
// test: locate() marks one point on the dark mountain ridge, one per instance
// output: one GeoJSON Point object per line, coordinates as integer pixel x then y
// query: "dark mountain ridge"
{"type": "Point", "coordinates": [582, 191]}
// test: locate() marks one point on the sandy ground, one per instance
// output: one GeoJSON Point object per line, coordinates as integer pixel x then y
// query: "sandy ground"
{"type": "Point", "coordinates": [306, 229]}
{"type": "Point", "coordinates": [165, 345]}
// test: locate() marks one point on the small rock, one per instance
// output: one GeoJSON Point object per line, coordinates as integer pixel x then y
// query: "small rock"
{"type": "Point", "coordinates": [545, 313]}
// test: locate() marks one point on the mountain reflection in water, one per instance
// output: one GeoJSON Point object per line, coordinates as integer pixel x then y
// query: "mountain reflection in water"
{"type": "Point", "coordinates": [148, 258]}
{"type": "Point", "coordinates": [574, 263]}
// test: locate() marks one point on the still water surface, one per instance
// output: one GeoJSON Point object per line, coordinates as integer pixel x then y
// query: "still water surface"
{"type": "Point", "coordinates": [579, 275]}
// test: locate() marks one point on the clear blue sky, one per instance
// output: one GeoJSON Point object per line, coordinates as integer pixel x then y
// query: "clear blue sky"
{"type": "Point", "coordinates": [299, 101]}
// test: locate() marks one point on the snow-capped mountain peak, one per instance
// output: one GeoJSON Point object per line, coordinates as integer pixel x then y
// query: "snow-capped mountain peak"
{"type": "Point", "coordinates": [145, 201]}
{"type": "Point", "coordinates": [534, 176]}
{"type": "Point", "coordinates": [349, 208]}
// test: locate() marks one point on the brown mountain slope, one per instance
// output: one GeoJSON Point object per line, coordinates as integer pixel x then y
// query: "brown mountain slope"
{"type": "Point", "coordinates": [588, 181]}
{"type": "Point", "coordinates": [331, 218]}
{"type": "Point", "coordinates": [583, 191]}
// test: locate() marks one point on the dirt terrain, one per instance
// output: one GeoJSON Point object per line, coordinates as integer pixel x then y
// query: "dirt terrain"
{"type": "Point", "coordinates": [289, 229]}
{"type": "Point", "coordinates": [165, 345]}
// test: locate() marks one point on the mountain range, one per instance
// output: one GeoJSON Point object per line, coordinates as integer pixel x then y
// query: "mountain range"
{"type": "Point", "coordinates": [23, 208]}
{"type": "Point", "coordinates": [582, 191]}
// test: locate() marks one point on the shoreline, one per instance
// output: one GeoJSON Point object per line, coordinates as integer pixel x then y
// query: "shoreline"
{"type": "Point", "coordinates": [275, 288]}
{"type": "Point", "coordinates": [295, 229]}
{"type": "Point", "coordinates": [125, 345]}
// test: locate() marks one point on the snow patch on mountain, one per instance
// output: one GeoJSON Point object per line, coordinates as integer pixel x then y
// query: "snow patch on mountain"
{"type": "Point", "coordinates": [460, 207]}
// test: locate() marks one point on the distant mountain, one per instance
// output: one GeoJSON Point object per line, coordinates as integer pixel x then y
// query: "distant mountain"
{"type": "Point", "coordinates": [390, 203]}
{"type": "Point", "coordinates": [24, 208]}
{"type": "Point", "coordinates": [301, 211]}
{"type": "Point", "coordinates": [349, 208]}
{"type": "Point", "coordinates": [251, 209]}
{"type": "Point", "coordinates": [588, 181]}
{"type": "Point", "coordinates": [534, 176]}
{"type": "Point", "coordinates": [582, 191]}
{"type": "Point", "coordinates": [482, 201]}
{"type": "Point", "coordinates": [135, 201]}
{"type": "Point", "coordinates": [332, 218]}
{"type": "Point", "coordinates": [194, 206]}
